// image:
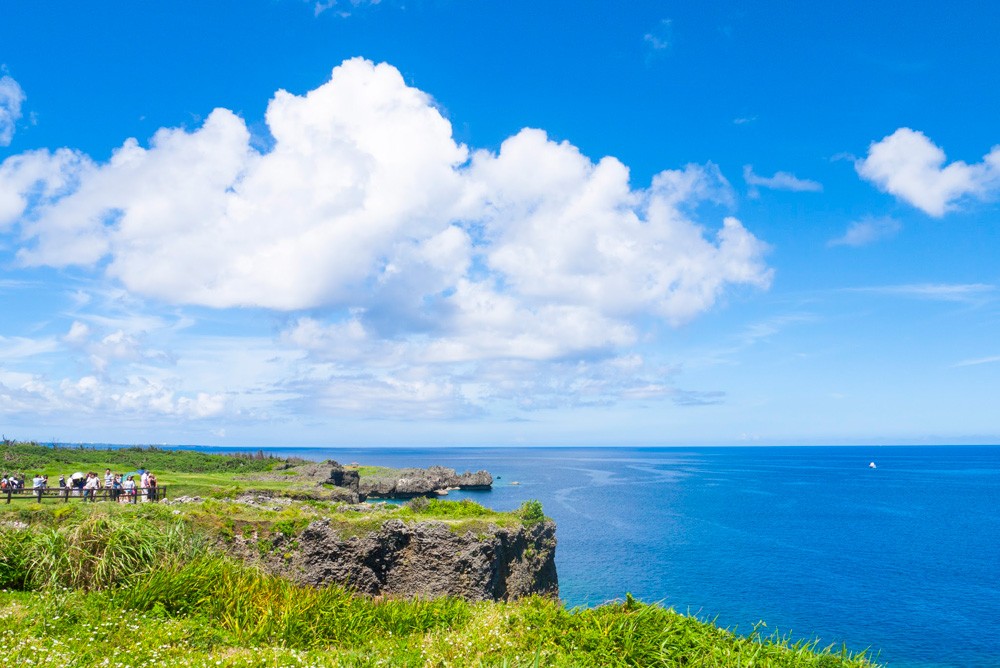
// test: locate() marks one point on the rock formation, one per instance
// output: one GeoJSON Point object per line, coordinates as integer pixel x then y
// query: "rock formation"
{"type": "Point", "coordinates": [406, 483]}
{"type": "Point", "coordinates": [422, 559]}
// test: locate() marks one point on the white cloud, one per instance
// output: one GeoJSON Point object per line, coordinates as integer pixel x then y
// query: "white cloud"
{"type": "Point", "coordinates": [660, 38]}
{"type": "Point", "coordinates": [362, 168]}
{"type": "Point", "coordinates": [430, 269]}
{"type": "Point", "coordinates": [981, 360]}
{"type": "Point", "coordinates": [866, 231]}
{"type": "Point", "coordinates": [320, 6]}
{"type": "Point", "coordinates": [950, 292]}
{"type": "Point", "coordinates": [11, 99]}
{"type": "Point", "coordinates": [910, 166]}
{"type": "Point", "coordinates": [78, 334]}
{"type": "Point", "coordinates": [117, 346]}
{"type": "Point", "coordinates": [365, 189]}
{"type": "Point", "coordinates": [40, 176]}
{"type": "Point", "coordinates": [135, 397]}
{"type": "Point", "coordinates": [18, 347]}
{"type": "Point", "coordinates": [780, 181]}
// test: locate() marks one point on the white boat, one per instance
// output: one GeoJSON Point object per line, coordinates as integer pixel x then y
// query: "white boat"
{"type": "Point", "coordinates": [872, 465]}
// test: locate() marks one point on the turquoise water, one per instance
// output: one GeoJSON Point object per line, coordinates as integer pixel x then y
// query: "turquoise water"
{"type": "Point", "coordinates": [903, 559]}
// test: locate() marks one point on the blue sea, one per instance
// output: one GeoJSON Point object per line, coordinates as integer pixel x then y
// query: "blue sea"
{"type": "Point", "coordinates": [903, 559]}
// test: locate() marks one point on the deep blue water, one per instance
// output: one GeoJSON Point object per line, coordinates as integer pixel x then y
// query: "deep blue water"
{"type": "Point", "coordinates": [903, 559]}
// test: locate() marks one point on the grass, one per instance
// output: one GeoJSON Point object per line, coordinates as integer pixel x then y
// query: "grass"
{"type": "Point", "coordinates": [211, 611]}
{"type": "Point", "coordinates": [372, 471]}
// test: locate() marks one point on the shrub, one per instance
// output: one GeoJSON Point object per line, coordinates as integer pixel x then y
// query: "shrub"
{"type": "Point", "coordinates": [418, 504]}
{"type": "Point", "coordinates": [530, 512]}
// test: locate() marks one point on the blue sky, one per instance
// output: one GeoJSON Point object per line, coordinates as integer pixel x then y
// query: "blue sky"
{"type": "Point", "coordinates": [274, 222]}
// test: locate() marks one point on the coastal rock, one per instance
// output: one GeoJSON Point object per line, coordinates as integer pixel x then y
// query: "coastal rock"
{"type": "Point", "coordinates": [410, 482]}
{"type": "Point", "coordinates": [425, 560]}
{"type": "Point", "coordinates": [341, 477]}
{"type": "Point", "coordinates": [478, 480]}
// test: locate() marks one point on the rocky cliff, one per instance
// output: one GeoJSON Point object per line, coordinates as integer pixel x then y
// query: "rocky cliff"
{"type": "Point", "coordinates": [422, 559]}
{"type": "Point", "coordinates": [406, 483]}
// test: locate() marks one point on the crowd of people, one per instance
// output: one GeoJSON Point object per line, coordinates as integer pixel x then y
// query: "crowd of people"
{"type": "Point", "coordinates": [121, 488]}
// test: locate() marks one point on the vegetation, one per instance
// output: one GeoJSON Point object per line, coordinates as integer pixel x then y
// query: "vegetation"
{"type": "Point", "coordinates": [31, 456]}
{"type": "Point", "coordinates": [120, 585]}
{"type": "Point", "coordinates": [186, 472]}
{"type": "Point", "coordinates": [530, 512]}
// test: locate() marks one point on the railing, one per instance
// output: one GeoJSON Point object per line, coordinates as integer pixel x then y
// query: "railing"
{"type": "Point", "coordinates": [64, 494]}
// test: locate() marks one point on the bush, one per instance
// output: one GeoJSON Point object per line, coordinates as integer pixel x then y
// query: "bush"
{"type": "Point", "coordinates": [530, 512]}
{"type": "Point", "coordinates": [418, 504]}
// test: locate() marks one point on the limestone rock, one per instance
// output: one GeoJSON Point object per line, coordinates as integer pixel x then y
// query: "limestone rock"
{"type": "Point", "coordinates": [428, 559]}
{"type": "Point", "coordinates": [410, 482]}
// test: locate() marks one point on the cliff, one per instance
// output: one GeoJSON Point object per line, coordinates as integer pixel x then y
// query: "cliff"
{"type": "Point", "coordinates": [424, 559]}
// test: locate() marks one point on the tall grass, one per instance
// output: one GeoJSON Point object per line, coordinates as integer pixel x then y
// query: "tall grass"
{"type": "Point", "coordinates": [101, 551]}
{"type": "Point", "coordinates": [258, 608]}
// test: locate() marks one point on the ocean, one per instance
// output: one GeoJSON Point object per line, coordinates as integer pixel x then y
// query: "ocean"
{"type": "Point", "coordinates": [903, 559]}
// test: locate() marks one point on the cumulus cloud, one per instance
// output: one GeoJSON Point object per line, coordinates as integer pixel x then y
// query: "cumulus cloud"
{"type": "Point", "coordinates": [866, 231]}
{"type": "Point", "coordinates": [11, 99]}
{"type": "Point", "coordinates": [780, 181]}
{"type": "Point", "coordinates": [910, 166]}
{"type": "Point", "coordinates": [416, 255]}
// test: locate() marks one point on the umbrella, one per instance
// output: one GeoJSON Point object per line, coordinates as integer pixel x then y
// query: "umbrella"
{"type": "Point", "coordinates": [76, 476]}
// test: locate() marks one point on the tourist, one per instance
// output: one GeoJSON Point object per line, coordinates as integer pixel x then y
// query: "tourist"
{"type": "Point", "coordinates": [129, 487]}
{"type": "Point", "coordinates": [62, 481]}
{"type": "Point", "coordinates": [144, 485]}
{"type": "Point", "coordinates": [108, 478]}
{"type": "Point", "coordinates": [91, 486]}
{"type": "Point", "coordinates": [116, 487]}
{"type": "Point", "coordinates": [151, 487]}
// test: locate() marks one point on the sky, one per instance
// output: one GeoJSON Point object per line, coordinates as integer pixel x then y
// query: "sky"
{"type": "Point", "coordinates": [360, 223]}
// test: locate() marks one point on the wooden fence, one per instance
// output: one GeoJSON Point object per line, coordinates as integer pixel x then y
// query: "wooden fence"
{"type": "Point", "coordinates": [64, 494]}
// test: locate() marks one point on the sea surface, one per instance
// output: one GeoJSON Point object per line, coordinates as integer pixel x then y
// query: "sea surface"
{"type": "Point", "coordinates": [903, 559]}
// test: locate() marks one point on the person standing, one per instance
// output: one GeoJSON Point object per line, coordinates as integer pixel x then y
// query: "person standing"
{"type": "Point", "coordinates": [129, 487]}
{"type": "Point", "coordinates": [151, 487]}
{"type": "Point", "coordinates": [90, 488]}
